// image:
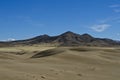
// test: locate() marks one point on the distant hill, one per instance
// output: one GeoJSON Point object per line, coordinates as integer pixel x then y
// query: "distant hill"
{"type": "Point", "coordinates": [66, 39]}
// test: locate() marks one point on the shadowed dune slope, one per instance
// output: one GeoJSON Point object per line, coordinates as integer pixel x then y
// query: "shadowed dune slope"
{"type": "Point", "coordinates": [46, 53]}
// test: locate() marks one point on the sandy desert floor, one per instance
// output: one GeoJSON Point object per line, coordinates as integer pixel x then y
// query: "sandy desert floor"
{"type": "Point", "coordinates": [61, 63]}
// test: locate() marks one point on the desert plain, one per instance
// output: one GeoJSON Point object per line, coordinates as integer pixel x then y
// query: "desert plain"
{"type": "Point", "coordinates": [59, 63]}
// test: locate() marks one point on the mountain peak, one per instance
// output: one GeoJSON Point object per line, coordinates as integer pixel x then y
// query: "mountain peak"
{"type": "Point", "coordinates": [69, 32]}
{"type": "Point", "coordinates": [45, 35]}
{"type": "Point", "coordinates": [42, 36]}
{"type": "Point", "coordinates": [87, 35]}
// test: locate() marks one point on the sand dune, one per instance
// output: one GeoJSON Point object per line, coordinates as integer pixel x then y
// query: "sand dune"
{"type": "Point", "coordinates": [61, 63]}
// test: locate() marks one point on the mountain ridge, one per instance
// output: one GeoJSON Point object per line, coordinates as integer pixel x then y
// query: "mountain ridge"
{"type": "Point", "coordinates": [68, 38]}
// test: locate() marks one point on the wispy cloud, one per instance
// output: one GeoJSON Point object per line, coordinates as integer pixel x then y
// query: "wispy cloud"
{"type": "Point", "coordinates": [106, 23]}
{"type": "Point", "coordinates": [100, 27]}
{"type": "Point", "coordinates": [110, 19]}
{"type": "Point", "coordinates": [114, 6]}
{"type": "Point", "coordinates": [117, 10]}
{"type": "Point", "coordinates": [114, 18]}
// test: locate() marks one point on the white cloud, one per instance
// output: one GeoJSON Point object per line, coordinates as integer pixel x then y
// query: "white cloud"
{"type": "Point", "coordinates": [100, 27]}
{"type": "Point", "coordinates": [11, 39]}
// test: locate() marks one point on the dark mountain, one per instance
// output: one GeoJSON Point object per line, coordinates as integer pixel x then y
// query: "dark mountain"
{"type": "Point", "coordinates": [66, 39]}
{"type": "Point", "coordinates": [5, 44]}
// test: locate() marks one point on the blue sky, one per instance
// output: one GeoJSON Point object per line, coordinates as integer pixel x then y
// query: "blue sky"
{"type": "Point", "coordinates": [21, 19]}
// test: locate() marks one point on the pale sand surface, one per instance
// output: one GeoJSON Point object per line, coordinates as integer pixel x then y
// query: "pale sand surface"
{"type": "Point", "coordinates": [81, 63]}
